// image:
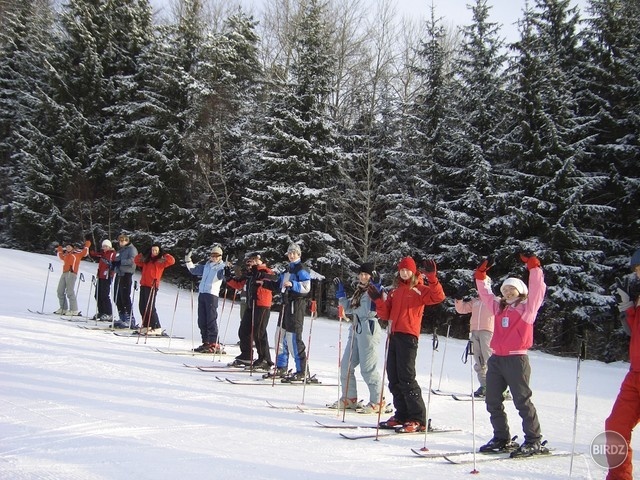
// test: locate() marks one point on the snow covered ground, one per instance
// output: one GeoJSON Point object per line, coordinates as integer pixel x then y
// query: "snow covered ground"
{"type": "Point", "coordinates": [85, 404]}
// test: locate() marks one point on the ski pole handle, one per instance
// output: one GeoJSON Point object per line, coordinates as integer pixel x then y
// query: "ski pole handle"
{"type": "Point", "coordinates": [50, 268]}
{"type": "Point", "coordinates": [340, 311]}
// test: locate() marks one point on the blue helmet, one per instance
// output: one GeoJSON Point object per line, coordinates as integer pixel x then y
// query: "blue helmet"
{"type": "Point", "coordinates": [635, 259]}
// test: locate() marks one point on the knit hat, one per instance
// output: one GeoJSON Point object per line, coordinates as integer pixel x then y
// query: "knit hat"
{"type": "Point", "coordinates": [408, 263]}
{"type": "Point", "coordinates": [635, 259]}
{"type": "Point", "coordinates": [107, 243]}
{"type": "Point", "coordinates": [217, 250]}
{"type": "Point", "coordinates": [366, 268]}
{"type": "Point", "coordinates": [253, 255]}
{"type": "Point", "coordinates": [517, 284]}
{"type": "Point", "coordinates": [294, 248]}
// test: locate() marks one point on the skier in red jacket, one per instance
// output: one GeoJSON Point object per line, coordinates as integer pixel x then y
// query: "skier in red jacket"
{"type": "Point", "coordinates": [404, 307]}
{"type": "Point", "coordinates": [625, 414]}
{"type": "Point", "coordinates": [152, 265]}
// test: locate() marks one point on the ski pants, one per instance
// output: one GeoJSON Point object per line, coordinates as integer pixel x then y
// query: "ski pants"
{"type": "Point", "coordinates": [208, 317]}
{"type": "Point", "coordinates": [147, 306]}
{"type": "Point", "coordinates": [254, 322]}
{"type": "Point", "coordinates": [122, 288]}
{"type": "Point", "coordinates": [103, 296]}
{"type": "Point", "coordinates": [362, 349]}
{"type": "Point", "coordinates": [293, 323]}
{"type": "Point", "coordinates": [66, 291]}
{"type": "Point", "coordinates": [401, 371]}
{"type": "Point", "coordinates": [511, 371]}
{"type": "Point", "coordinates": [480, 340]}
{"type": "Point", "coordinates": [625, 415]}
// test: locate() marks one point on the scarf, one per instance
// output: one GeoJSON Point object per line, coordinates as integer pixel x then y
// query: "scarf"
{"type": "Point", "coordinates": [357, 295]}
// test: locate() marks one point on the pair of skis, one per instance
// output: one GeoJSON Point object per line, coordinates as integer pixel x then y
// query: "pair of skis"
{"type": "Point", "coordinates": [465, 457]}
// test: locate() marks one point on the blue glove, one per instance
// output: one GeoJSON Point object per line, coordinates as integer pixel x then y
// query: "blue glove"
{"type": "Point", "coordinates": [340, 293]}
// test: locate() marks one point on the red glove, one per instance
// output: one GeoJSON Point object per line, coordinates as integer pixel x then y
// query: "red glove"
{"type": "Point", "coordinates": [531, 262]}
{"type": "Point", "coordinates": [481, 271]}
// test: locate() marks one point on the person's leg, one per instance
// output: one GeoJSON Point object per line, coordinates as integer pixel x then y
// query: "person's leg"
{"type": "Point", "coordinates": [496, 384]}
{"type": "Point", "coordinates": [70, 284]}
{"type": "Point", "coordinates": [368, 341]}
{"type": "Point", "coordinates": [517, 372]}
{"type": "Point", "coordinates": [62, 298]}
{"type": "Point", "coordinates": [407, 383]}
{"type": "Point", "coordinates": [625, 415]}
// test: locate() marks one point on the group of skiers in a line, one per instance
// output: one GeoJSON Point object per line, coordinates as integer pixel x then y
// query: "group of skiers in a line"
{"type": "Point", "coordinates": [501, 330]}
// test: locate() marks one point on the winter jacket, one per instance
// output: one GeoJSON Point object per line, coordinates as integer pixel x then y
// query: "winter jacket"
{"type": "Point", "coordinates": [153, 267]}
{"type": "Point", "coordinates": [261, 293]}
{"type": "Point", "coordinates": [72, 259]}
{"type": "Point", "coordinates": [300, 281]}
{"type": "Point", "coordinates": [105, 269]}
{"type": "Point", "coordinates": [481, 316]}
{"type": "Point", "coordinates": [124, 259]}
{"type": "Point", "coordinates": [404, 305]}
{"type": "Point", "coordinates": [212, 274]}
{"type": "Point", "coordinates": [633, 320]}
{"type": "Point", "coordinates": [513, 326]}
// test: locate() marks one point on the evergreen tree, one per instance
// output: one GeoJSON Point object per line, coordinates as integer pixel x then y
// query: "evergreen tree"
{"type": "Point", "coordinates": [609, 95]}
{"type": "Point", "coordinates": [548, 210]}
{"type": "Point", "coordinates": [224, 107]}
{"type": "Point", "coordinates": [414, 192]}
{"type": "Point", "coordinates": [292, 185]}
{"type": "Point", "coordinates": [29, 119]}
{"type": "Point", "coordinates": [464, 168]}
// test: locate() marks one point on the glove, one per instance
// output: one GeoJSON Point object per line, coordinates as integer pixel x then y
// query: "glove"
{"type": "Point", "coordinates": [461, 292]}
{"type": "Point", "coordinates": [187, 256]}
{"type": "Point", "coordinates": [227, 272]}
{"type": "Point", "coordinates": [483, 268]}
{"type": "Point", "coordinates": [373, 292]}
{"type": "Point", "coordinates": [87, 244]}
{"type": "Point", "coordinates": [430, 271]}
{"type": "Point", "coordinates": [530, 260]}
{"type": "Point", "coordinates": [340, 293]}
{"type": "Point", "coordinates": [375, 277]}
{"type": "Point", "coordinates": [115, 263]}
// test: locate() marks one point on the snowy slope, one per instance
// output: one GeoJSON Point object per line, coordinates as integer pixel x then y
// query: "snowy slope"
{"type": "Point", "coordinates": [84, 404]}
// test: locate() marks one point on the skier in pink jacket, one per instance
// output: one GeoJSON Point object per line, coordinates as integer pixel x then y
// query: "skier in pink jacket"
{"type": "Point", "coordinates": [515, 313]}
{"type": "Point", "coordinates": [480, 333]}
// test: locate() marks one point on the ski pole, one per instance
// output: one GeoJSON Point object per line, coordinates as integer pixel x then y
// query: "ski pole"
{"type": "Point", "coordinates": [434, 342]}
{"type": "Point", "coordinates": [314, 313]}
{"type": "Point", "coordinates": [384, 371]}
{"type": "Point", "coordinates": [251, 342]}
{"type": "Point", "coordinates": [233, 301]}
{"type": "Point", "coordinates": [465, 358]}
{"type": "Point", "coordinates": [444, 354]}
{"type": "Point", "coordinates": [146, 315]}
{"type": "Point", "coordinates": [581, 356]}
{"type": "Point", "coordinates": [81, 279]}
{"type": "Point", "coordinates": [353, 332]}
{"type": "Point", "coordinates": [279, 331]}
{"type": "Point", "coordinates": [93, 284]}
{"type": "Point", "coordinates": [116, 292]}
{"type": "Point", "coordinates": [193, 346]}
{"type": "Point", "coordinates": [340, 317]}
{"type": "Point", "coordinates": [46, 284]}
{"type": "Point", "coordinates": [132, 321]}
{"type": "Point", "coordinates": [173, 317]}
